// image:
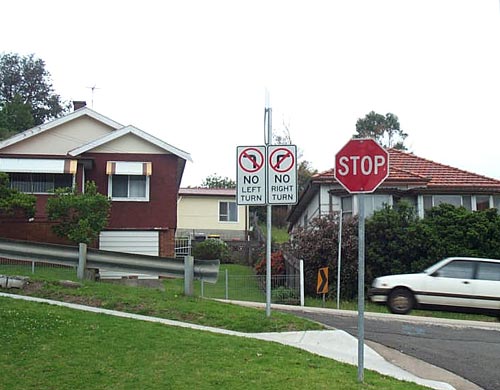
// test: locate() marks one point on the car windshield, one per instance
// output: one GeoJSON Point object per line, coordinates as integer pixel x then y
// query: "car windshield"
{"type": "Point", "coordinates": [434, 267]}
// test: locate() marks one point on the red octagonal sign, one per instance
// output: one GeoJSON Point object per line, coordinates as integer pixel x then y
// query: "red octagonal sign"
{"type": "Point", "coordinates": [361, 165]}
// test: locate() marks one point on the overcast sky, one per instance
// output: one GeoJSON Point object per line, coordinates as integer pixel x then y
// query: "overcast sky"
{"type": "Point", "coordinates": [194, 73]}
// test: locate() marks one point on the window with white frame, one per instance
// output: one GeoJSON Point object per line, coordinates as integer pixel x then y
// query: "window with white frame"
{"type": "Point", "coordinates": [346, 204]}
{"type": "Point", "coordinates": [376, 202]}
{"type": "Point", "coordinates": [228, 212]}
{"type": "Point", "coordinates": [470, 202]}
{"type": "Point", "coordinates": [40, 183]}
{"type": "Point", "coordinates": [482, 202]}
{"type": "Point", "coordinates": [128, 180]}
{"type": "Point", "coordinates": [128, 187]}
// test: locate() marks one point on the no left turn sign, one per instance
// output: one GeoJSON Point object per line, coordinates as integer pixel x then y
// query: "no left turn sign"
{"type": "Point", "coordinates": [251, 159]}
{"type": "Point", "coordinates": [251, 175]}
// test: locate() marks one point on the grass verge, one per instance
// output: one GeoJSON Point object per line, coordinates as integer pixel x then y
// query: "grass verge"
{"type": "Point", "coordinates": [60, 348]}
{"type": "Point", "coordinates": [167, 301]}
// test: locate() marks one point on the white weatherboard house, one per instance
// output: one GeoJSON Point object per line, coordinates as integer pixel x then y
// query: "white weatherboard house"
{"type": "Point", "coordinates": [421, 182]}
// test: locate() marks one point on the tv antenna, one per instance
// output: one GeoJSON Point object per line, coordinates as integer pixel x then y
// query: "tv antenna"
{"type": "Point", "coordinates": [93, 90]}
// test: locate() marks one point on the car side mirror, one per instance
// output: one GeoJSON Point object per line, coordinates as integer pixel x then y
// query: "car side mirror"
{"type": "Point", "coordinates": [435, 274]}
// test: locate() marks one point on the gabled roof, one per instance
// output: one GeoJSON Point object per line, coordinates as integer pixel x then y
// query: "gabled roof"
{"type": "Point", "coordinates": [198, 191]}
{"type": "Point", "coordinates": [57, 122]}
{"type": "Point", "coordinates": [118, 131]}
{"type": "Point", "coordinates": [130, 130]}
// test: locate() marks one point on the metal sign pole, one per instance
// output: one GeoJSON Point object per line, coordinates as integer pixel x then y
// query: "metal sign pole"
{"type": "Point", "coordinates": [339, 259]}
{"type": "Point", "coordinates": [361, 286]}
{"type": "Point", "coordinates": [268, 112]}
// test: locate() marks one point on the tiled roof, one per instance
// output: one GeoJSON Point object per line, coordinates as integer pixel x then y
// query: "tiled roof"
{"type": "Point", "coordinates": [198, 191]}
{"type": "Point", "coordinates": [439, 175]}
{"type": "Point", "coordinates": [408, 168]}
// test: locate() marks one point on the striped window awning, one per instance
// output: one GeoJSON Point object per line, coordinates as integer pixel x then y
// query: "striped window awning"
{"type": "Point", "coordinates": [37, 165]}
{"type": "Point", "coordinates": [129, 168]}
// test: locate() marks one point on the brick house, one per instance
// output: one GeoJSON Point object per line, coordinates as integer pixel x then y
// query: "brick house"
{"type": "Point", "coordinates": [140, 173]}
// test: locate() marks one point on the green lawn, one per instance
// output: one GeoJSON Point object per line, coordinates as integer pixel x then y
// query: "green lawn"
{"type": "Point", "coordinates": [60, 348]}
{"type": "Point", "coordinates": [169, 302]}
{"type": "Point", "coordinates": [279, 235]}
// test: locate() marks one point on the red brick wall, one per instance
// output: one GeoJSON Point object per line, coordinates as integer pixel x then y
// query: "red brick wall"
{"type": "Point", "coordinates": [160, 211]}
{"type": "Point", "coordinates": [40, 231]}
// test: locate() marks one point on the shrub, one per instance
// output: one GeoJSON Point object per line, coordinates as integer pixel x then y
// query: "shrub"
{"type": "Point", "coordinates": [79, 216]}
{"type": "Point", "coordinates": [317, 245]}
{"type": "Point", "coordinates": [277, 264]}
{"type": "Point", "coordinates": [211, 249]}
{"type": "Point", "coordinates": [284, 295]}
{"type": "Point", "coordinates": [399, 242]}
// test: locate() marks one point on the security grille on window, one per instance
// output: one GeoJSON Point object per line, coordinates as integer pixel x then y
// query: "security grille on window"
{"type": "Point", "coordinates": [40, 183]}
{"type": "Point", "coordinates": [228, 212]}
{"type": "Point", "coordinates": [128, 180]}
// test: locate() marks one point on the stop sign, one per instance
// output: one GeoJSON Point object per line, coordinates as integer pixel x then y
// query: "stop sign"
{"type": "Point", "coordinates": [361, 165]}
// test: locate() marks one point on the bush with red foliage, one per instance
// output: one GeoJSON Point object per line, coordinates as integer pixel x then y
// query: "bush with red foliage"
{"type": "Point", "coordinates": [277, 264]}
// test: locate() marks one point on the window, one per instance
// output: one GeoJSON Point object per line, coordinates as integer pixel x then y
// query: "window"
{"type": "Point", "coordinates": [129, 187]}
{"type": "Point", "coordinates": [346, 204]}
{"type": "Point", "coordinates": [496, 202]}
{"type": "Point", "coordinates": [482, 202]}
{"type": "Point", "coordinates": [455, 200]}
{"type": "Point", "coordinates": [375, 202]}
{"type": "Point", "coordinates": [228, 212]}
{"type": "Point", "coordinates": [40, 183]}
{"type": "Point", "coordinates": [488, 271]}
{"type": "Point", "coordinates": [458, 269]}
{"type": "Point", "coordinates": [431, 201]}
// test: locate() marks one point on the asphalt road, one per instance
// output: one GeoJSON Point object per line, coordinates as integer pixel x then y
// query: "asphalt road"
{"type": "Point", "coordinates": [473, 354]}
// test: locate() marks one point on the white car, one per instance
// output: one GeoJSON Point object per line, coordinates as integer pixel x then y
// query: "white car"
{"type": "Point", "coordinates": [458, 282]}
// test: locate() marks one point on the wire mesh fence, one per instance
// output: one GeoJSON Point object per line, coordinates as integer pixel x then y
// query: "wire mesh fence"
{"type": "Point", "coordinates": [284, 289]}
{"type": "Point", "coordinates": [239, 283]}
{"type": "Point", "coordinates": [26, 267]}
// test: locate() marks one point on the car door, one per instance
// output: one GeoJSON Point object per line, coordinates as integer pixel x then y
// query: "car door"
{"type": "Point", "coordinates": [487, 284]}
{"type": "Point", "coordinates": [453, 285]}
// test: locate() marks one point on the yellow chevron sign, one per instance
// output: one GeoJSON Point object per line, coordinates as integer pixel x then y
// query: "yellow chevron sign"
{"type": "Point", "coordinates": [322, 286]}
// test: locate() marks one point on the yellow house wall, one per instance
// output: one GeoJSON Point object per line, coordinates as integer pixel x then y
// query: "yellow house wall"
{"type": "Point", "coordinates": [200, 213]}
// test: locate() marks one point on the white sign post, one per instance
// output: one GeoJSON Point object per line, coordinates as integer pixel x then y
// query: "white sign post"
{"type": "Point", "coordinates": [251, 175]}
{"type": "Point", "coordinates": [282, 174]}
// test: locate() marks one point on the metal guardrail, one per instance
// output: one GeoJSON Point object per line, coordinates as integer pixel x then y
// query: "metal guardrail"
{"type": "Point", "coordinates": [206, 270]}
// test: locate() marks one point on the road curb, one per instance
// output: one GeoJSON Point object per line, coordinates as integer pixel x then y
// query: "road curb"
{"type": "Point", "coordinates": [380, 316]}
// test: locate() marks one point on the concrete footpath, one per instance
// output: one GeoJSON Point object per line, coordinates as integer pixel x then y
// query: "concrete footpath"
{"type": "Point", "coordinates": [334, 344]}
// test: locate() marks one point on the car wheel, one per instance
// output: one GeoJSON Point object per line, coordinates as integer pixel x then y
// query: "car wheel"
{"type": "Point", "coordinates": [401, 301]}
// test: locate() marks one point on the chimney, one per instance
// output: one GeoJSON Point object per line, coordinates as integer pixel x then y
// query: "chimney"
{"type": "Point", "coordinates": [77, 104]}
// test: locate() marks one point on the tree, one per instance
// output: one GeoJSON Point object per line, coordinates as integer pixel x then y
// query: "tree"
{"type": "Point", "coordinates": [79, 216]}
{"type": "Point", "coordinates": [15, 116]}
{"type": "Point", "coordinates": [13, 201]}
{"type": "Point", "coordinates": [304, 174]}
{"type": "Point", "coordinates": [215, 181]}
{"type": "Point", "coordinates": [385, 130]}
{"type": "Point", "coordinates": [25, 77]}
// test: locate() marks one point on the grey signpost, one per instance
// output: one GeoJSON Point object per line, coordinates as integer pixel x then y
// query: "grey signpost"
{"type": "Point", "coordinates": [267, 175]}
{"type": "Point", "coordinates": [361, 166]}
